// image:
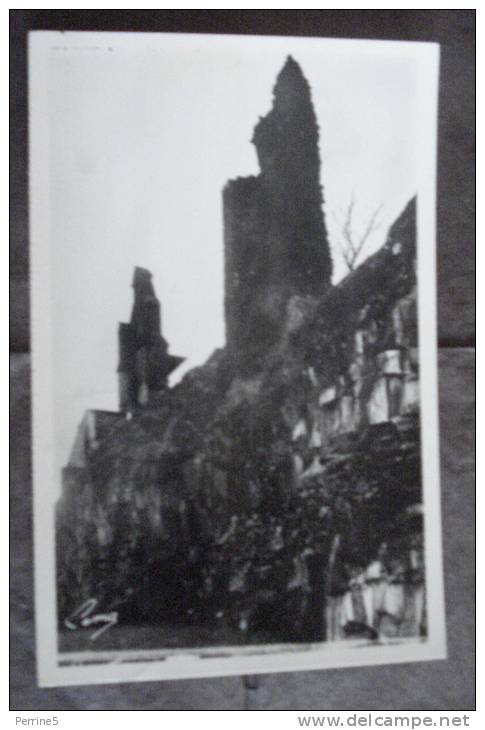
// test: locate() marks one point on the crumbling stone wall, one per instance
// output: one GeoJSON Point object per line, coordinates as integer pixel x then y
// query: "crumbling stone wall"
{"type": "Point", "coordinates": [274, 232]}
{"type": "Point", "coordinates": [144, 362]}
{"type": "Point", "coordinates": [209, 504]}
{"type": "Point", "coordinates": [276, 490]}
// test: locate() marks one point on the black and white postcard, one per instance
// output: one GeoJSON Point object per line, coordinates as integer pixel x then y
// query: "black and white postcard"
{"type": "Point", "coordinates": [235, 425]}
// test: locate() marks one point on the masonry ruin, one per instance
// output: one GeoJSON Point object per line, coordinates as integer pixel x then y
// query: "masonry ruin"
{"type": "Point", "coordinates": [144, 362]}
{"type": "Point", "coordinates": [275, 240]}
{"type": "Point", "coordinates": [274, 494]}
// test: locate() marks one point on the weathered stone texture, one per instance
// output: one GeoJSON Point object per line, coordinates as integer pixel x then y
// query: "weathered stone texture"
{"type": "Point", "coordinates": [275, 237]}
{"type": "Point", "coordinates": [144, 362]}
{"type": "Point", "coordinates": [323, 441]}
{"type": "Point", "coordinates": [263, 490]}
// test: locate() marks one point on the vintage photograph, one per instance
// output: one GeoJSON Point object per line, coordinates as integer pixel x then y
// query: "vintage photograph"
{"type": "Point", "coordinates": [234, 340]}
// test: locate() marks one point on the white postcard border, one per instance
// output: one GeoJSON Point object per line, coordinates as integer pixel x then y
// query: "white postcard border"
{"type": "Point", "coordinates": [250, 661]}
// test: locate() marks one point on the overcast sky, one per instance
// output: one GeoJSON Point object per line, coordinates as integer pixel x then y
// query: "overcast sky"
{"type": "Point", "coordinates": [144, 132]}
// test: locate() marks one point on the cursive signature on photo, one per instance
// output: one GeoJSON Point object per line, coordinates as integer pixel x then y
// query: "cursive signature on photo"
{"type": "Point", "coordinates": [84, 616]}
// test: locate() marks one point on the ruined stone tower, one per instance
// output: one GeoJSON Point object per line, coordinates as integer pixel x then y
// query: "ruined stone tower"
{"type": "Point", "coordinates": [144, 362]}
{"type": "Point", "coordinates": [274, 232]}
{"type": "Point", "coordinates": [301, 438]}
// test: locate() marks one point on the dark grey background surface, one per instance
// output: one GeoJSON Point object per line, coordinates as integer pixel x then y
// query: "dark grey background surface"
{"type": "Point", "coordinates": [444, 685]}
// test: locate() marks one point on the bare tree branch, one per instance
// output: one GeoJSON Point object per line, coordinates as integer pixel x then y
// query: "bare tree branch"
{"type": "Point", "coordinates": [352, 246]}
